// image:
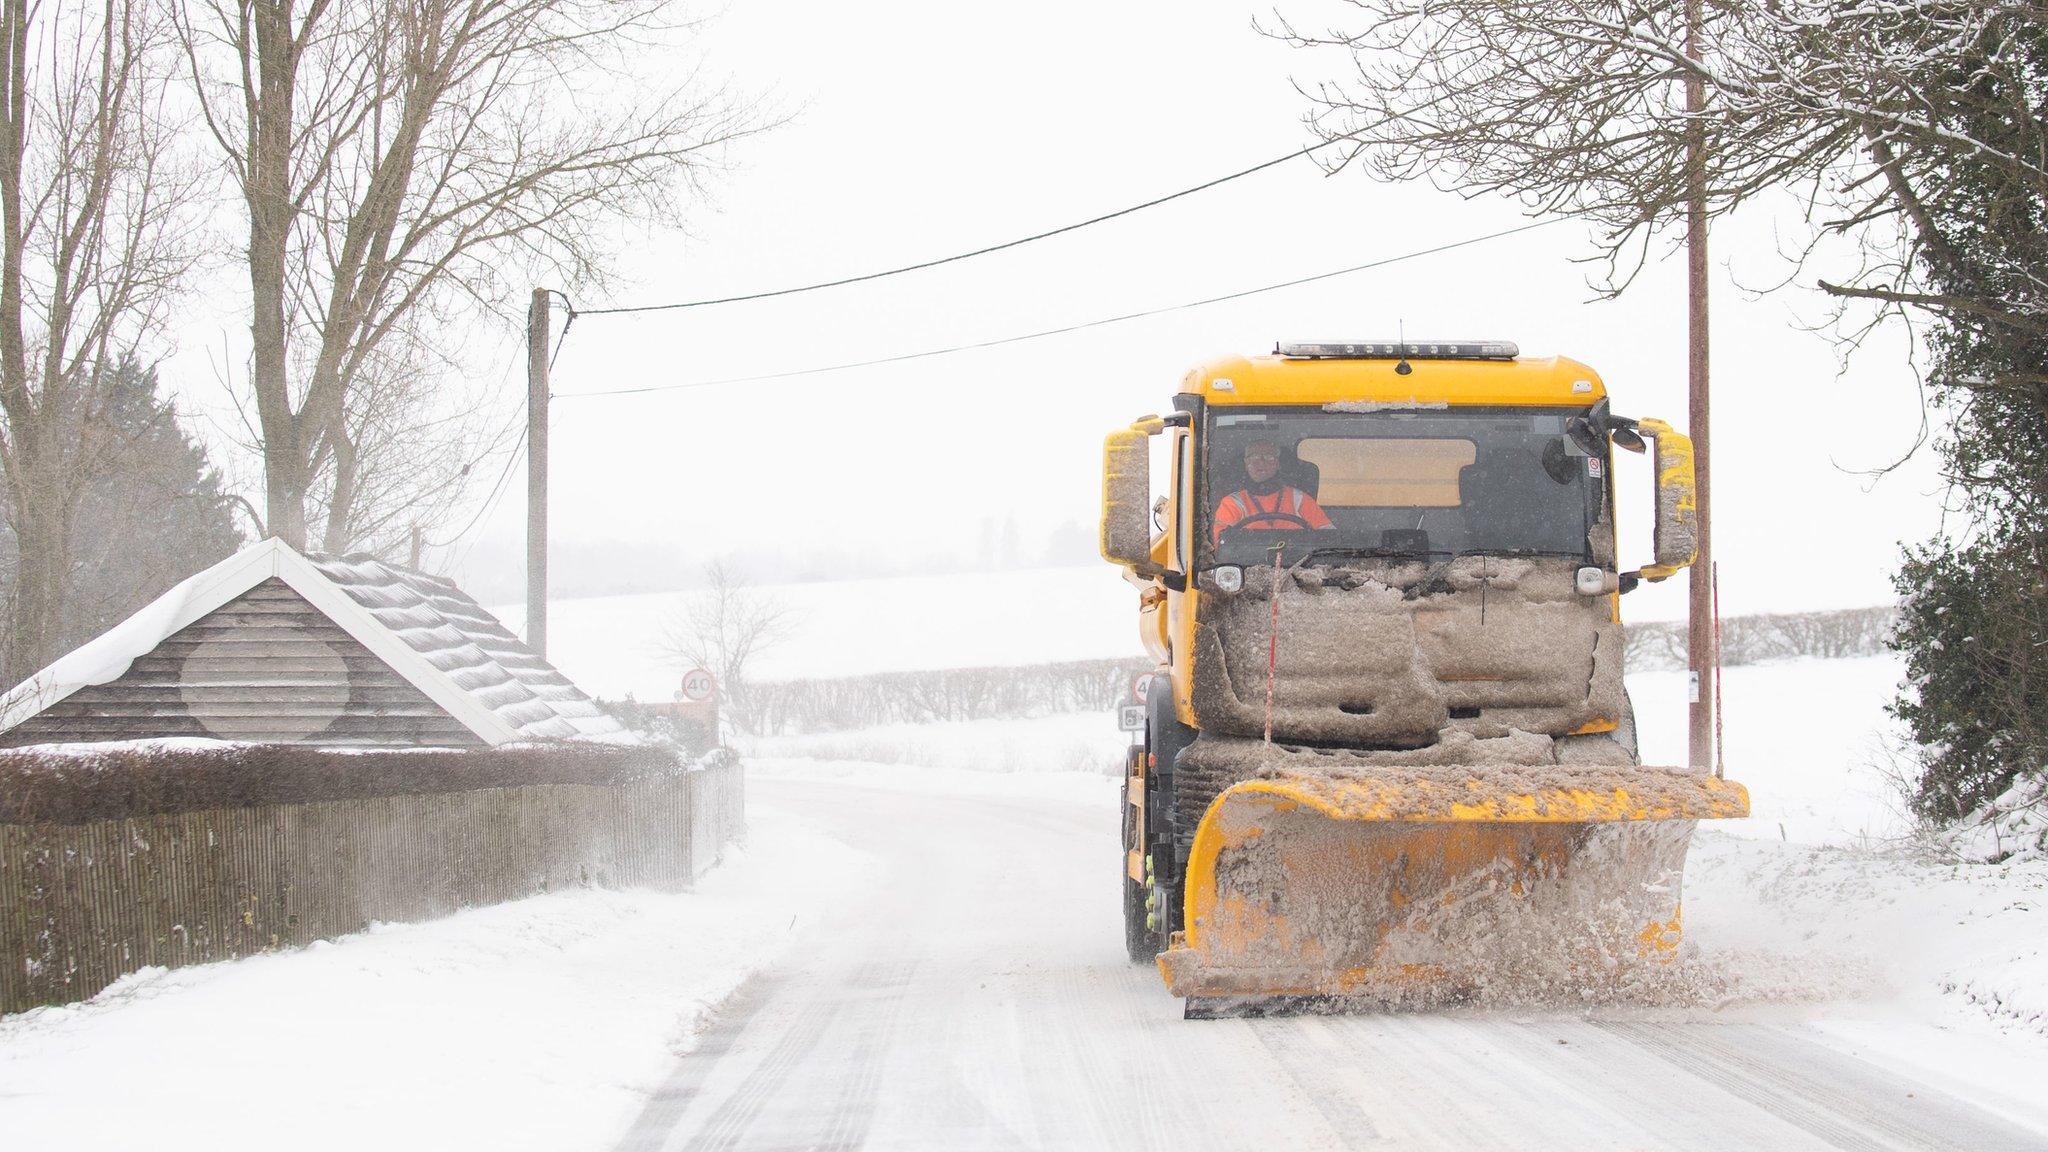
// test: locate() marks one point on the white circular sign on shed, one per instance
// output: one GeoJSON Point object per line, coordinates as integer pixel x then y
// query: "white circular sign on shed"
{"type": "Point", "coordinates": [697, 685]}
{"type": "Point", "coordinates": [274, 685]}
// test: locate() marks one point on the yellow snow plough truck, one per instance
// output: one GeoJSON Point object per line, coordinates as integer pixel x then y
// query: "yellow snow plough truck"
{"type": "Point", "coordinates": [1387, 752]}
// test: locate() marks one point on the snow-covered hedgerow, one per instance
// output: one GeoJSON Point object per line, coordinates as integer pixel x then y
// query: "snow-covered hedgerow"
{"type": "Point", "coordinates": [1659, 645]}
{"type": "Point", "coordinates": [944, 694]}
{"type": "Point", "coordinates": [76, 783]}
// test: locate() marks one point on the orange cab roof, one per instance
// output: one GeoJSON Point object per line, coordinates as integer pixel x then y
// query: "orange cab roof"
{"type": "Point", "coordinates": [1552, 380]}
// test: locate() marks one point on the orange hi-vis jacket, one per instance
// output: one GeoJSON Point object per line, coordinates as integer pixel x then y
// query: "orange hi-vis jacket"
{"type": "Point", "coordinates": [1240, 509]}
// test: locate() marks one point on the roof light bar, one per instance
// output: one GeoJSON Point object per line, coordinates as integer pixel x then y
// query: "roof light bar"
{"type": "Point", "coordinates": [1401, 350]}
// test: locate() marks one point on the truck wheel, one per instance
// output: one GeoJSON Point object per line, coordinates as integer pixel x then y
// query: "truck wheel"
{"type": "Point", "coordinates": [1165, 739]}
{"type": "Point", "coordinates": [1139, 940]}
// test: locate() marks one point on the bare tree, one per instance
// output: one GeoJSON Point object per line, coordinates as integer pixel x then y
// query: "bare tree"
{"type": "Point", "coordinates": [1653, 646]}
{"type": "Point", "coordinates": [410, 165]}
{"type": "Point", "coordinates": [1571, 106]}
{"type": "Point", "coordinates": [725, 629]}
{"type": "Point", "coordinates": [1576, 106]}
{"type": "Point", "coordinates": [412, 435]}
{"type": "Point", "coordinates": [94, 243]}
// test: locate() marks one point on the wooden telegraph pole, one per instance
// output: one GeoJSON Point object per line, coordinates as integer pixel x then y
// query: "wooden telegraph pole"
{"type": "Point", "coordinates": [537, 472]}
{"type": "Point", "coordinates": [1700, 655]}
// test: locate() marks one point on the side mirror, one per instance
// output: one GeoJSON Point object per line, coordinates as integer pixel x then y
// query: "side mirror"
{"type": "Point", "coordinates": [1127, 497]}
{"type": "Point", "coordinates": [1677, 532]}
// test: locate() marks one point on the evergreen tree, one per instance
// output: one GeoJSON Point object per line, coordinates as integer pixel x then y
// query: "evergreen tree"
{"type": "Point", "coordinates": [151, 509]}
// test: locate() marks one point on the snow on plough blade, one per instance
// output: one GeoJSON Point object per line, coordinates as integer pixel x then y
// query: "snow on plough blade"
{"type": "Point", "coordinates": [1378, 883]}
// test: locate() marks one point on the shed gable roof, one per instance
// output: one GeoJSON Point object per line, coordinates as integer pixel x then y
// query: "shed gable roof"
{"type": "Point", "coordinates": [424, 627]}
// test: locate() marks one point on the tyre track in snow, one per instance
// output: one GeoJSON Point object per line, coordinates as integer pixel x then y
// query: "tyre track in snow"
{"type": "Point", "coordinates": [668, 1104]}
{"type": "Point", "coordinates": [978, 998]}
{"type": "Point", "coordinates": [874, 1035]}
{"type": "Point", "coordinates": [1303, 1052]}
{"type": "Point", "coordinates": [735, 1115]}
{"type": "Point", "coordinates": [1160, 1100]}
{"type": "Point", "coordinates": [1658, 1102]}
{"type": "Point", "coordinates": [1825, 1093]}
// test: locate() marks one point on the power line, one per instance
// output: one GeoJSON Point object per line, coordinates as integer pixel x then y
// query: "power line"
{"type": "Point", "coordinates": [490, 501]}
{"type": "Point", "coordinates": [498, 487]}
{"type": "Point", "coordinates": [1128, 316]}
{"type": "Point", "coordinates": [1153, 203]}
{"type": "Point", "coordinates": [568, 322]}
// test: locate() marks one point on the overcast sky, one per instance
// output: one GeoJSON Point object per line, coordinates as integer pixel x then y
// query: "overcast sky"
{"type": "Point", "coordinates": [921, 129]}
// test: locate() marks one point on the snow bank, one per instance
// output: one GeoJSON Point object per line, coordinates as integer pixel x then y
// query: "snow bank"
{"type": "Point", "coordinates": [542, 1023]}
{"type": "Point", "coordinates": [2012, 827]}
{"type": "Point", "coordinates": [1961, 943]}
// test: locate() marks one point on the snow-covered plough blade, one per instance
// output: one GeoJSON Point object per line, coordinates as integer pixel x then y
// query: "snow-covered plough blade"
{"type": "Point", "coordinates": [1380, 883]}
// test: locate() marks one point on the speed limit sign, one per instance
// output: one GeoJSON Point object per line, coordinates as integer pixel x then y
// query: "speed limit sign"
{"type": "Point", "coordinates": [1141, 688]}
{"type": "Point", "coordinates": [697, 685]}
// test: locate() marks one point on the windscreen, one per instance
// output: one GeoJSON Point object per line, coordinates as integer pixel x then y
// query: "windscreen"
{"type": "Point", "coordinates": [1430, 482]}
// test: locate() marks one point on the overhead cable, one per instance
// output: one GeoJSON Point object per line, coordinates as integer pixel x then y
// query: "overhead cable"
{"type": "Point", "coordinates": [1039, 335]}
{"type": "Point", "coordinates": [490, 501]}
{"type": "Point", "coordinates": [1022, 240]}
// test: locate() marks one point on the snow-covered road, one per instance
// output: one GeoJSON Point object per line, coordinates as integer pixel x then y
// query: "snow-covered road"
{"type": "Point", "coordinates": [975, 996]}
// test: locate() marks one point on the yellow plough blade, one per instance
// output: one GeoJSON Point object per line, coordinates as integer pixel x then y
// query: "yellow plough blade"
{"type": "Point", "coordinates": [1372, 882]}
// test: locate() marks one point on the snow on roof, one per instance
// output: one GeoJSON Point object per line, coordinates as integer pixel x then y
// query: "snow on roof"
{"type": "Point", "coordinates": [423, 626]}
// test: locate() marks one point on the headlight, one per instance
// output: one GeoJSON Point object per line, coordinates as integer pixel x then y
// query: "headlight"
{"type": "Point", "coordinates": [1229, 578]}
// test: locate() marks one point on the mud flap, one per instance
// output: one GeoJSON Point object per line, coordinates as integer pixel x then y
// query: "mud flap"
{"type": "Point", "coordinates": [1304, 884]}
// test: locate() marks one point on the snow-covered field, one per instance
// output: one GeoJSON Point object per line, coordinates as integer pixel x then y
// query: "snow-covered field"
{"type": "Point", "coordinates": [1807, 737]}
{"type": "Point", "coordinates": [613, 645]}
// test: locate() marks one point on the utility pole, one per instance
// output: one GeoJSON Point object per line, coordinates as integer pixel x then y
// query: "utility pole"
{"type": "Point", "coordinates": [537, 328]}
{"type": "Point", "coordinates": [1699, 647]}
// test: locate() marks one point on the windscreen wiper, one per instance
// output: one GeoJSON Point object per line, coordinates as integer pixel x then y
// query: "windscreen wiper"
{"type": "Point", "coordinates": [1373, 553]}
{"type": "Point", "coordinates": [1566, 553]}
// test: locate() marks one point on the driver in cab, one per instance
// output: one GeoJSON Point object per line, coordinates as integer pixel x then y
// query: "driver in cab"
{"type": "Point", "coordinates": [1265, 502]}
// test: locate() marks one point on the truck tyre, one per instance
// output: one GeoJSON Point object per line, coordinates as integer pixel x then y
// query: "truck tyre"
{"type": "Point", "coordinates": [1139, 939]}
{"type": "Point", "coordinates": [1165, 739]}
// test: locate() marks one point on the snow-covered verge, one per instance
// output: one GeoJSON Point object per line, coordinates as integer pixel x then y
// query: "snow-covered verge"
{"type": "Point", "coordinates": [1963, 947]}
{"type": "Point", "coordinates": [542, 1023]}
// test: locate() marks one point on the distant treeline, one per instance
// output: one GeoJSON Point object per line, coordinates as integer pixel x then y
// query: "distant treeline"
{"type": "Point", "coordinates": [795, 707]}
{"type": "Point", "coordinates": [1660, 646]}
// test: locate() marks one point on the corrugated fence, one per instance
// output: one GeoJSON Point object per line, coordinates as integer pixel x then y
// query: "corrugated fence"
{"type": "Point", "coordinates": [83, 904]}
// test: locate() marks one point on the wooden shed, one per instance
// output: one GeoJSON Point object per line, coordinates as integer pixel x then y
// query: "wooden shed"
{"type": "Point", "coordinates": [274, 646]}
